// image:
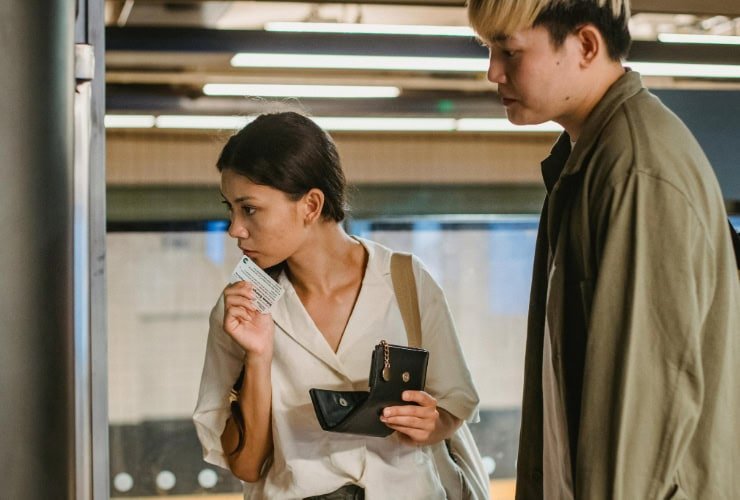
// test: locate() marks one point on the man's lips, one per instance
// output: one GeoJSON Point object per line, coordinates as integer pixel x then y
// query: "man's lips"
{"type": "Point", "coordinates": [506, 101]}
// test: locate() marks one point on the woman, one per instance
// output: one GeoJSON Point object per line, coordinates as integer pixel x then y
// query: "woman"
{"type": "Point", "coordinates": [283, 185]}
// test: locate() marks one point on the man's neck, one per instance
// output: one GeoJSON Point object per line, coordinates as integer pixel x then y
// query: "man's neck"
{"type": "Point", "coordinates": [594, 90]}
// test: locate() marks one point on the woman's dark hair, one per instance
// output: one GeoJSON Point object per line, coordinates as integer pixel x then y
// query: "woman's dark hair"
{"type": "Point", "coordinates": [563, 18]}
{"type": "Point", "coordinates": [288, 152]}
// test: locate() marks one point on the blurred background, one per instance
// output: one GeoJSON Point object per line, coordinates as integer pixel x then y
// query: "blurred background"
{"type": "Point", "coordinates": [435, 169]}
{"type": "Point", "coordinates": [115, 231]}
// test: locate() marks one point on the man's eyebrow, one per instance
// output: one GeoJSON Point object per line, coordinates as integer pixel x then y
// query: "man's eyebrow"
{"type": "Point", "coordinates": [492, 40]}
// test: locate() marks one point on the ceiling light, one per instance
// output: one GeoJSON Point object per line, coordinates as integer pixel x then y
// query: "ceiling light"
{"type": "Point", "coordinates": [371, 29]}
{"type": "Point", "coordinates": [385, 124]}
{"type": "Point", "coordinates": [327, 61]}
{"type": "Point", "coordinates": [332, 123]}
{"type": "Point", "coordinates": [129, 121]}
{"type": "Point", "coordinates": [323, 91]}
{"type": "Point", "coordinates": [202, 122]}
{"type": "Point", "coordinates": [503, 125]}
{"type": "Point", "coordinates": [696, 38]}
{"type": "Point", "coordinates": [454, 64]}
{"type": "Point", "coordinates": [686, 70]}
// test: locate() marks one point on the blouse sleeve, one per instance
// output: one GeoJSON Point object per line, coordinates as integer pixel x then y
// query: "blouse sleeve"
{"type": "Point", "coordinates": [448, 377]}
{"type": "Point", "coordinates": [223, 362]}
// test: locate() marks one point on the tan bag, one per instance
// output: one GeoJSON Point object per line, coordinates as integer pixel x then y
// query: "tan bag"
{"type": "Point", "coordinates": [457, 459]}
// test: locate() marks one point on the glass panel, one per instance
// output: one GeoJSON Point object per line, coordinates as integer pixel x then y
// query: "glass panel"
{"type": "Point", "coordinates": [162, 285]}
{"type": "Point", "coordinates": [164, 280]}
{"type": "Point", "coordinates": [484, 265]}
{"type": "Point", "coordinates": [735, 219]}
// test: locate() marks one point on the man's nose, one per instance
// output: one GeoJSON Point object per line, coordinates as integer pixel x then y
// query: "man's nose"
{"type": "Point", "coordinates": [496, 73]}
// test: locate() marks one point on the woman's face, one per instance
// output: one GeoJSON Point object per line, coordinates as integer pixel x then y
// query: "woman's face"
{"type": "Point", "coordinates": [268, 226]}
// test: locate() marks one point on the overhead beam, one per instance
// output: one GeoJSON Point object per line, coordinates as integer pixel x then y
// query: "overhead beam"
{"type": "Point", "coordinates": [704, 7]}
{"type": "Point", "coordinates": [201, 40]}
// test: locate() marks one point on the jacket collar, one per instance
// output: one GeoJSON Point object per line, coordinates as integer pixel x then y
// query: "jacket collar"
{"type": "Point", "coordinates": [627, 86]}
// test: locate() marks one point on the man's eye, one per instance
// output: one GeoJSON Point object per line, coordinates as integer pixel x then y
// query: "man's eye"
{"type": "Point", "coordinates": [509, 53]}
{"type": "Point", "coordinates": [248, 210]}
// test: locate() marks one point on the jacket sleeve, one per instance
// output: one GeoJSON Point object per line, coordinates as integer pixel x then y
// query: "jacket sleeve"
{"type": "Point", "coordinates": [223, 362]}
{"type": "Point", "coordinates": [643, 384]}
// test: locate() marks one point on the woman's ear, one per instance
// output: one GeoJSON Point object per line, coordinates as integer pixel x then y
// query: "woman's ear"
{"type": "Point", "coordinates": [313, 203]}
{"type": "Point", "coordinates": [591, 44]}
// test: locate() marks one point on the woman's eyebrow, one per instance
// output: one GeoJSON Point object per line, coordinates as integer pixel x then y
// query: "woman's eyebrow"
{"type": "Point", "coordinates": [238, 200]}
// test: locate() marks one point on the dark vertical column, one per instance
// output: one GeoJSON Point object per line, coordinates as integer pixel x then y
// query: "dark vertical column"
{"type": "Point", "coordinates": [36, 244]}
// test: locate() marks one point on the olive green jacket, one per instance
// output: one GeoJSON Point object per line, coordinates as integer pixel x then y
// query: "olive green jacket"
{"type": "Point", "coordinates": [643, 311]}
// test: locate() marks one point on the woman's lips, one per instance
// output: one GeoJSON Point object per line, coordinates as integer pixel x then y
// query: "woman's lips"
{"type": "Point", "coordinates": [507, 101]}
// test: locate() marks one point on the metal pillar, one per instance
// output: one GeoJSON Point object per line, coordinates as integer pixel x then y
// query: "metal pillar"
{"type": "Point", "coordinates": [53, 370]}
{"type": "Point", "coordinates": [36, 250]}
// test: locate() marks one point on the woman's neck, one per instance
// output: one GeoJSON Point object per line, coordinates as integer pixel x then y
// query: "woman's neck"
{"type": "Point", "coordinates": [328, 260]}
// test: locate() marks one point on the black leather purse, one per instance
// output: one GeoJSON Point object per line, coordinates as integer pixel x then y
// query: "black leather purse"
{"type": "Point", "coordinates": [393, 369]}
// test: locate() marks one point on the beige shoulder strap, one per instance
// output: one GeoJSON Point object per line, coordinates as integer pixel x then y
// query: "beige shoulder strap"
{"type": "Point", "coordinates": [404, 284]}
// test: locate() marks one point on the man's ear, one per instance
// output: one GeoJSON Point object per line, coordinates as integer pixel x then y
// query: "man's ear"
{"type": "Point", "coordinates": [591, 44]}
{"type": "Point", "coordinates": [313, 204]}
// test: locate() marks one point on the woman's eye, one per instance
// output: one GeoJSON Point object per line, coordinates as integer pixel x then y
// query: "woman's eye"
{"type": "Point", "coordinates": [248, 210]}
{"type": "Point", "coordinates": [227, 205]}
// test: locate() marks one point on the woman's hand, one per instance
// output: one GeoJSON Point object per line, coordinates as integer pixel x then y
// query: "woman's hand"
{"type": "Point", "coordinates": [252, 330]}
{"type": "Point", "coordinates": [423, 424]}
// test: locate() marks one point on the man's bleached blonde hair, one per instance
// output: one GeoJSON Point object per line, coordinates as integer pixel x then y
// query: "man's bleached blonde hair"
{"type": "Point", "coordinates": [495, 19]}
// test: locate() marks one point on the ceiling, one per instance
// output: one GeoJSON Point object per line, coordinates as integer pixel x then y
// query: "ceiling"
{"type": "Point", "coordinates": [159, 54]}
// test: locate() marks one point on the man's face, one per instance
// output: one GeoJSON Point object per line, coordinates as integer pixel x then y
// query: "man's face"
{"type": "Point", "coordinates": [537, 82]}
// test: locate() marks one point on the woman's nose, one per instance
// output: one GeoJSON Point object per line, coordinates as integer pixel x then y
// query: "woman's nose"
{"type": "Point", "coordinates": [237, 230]}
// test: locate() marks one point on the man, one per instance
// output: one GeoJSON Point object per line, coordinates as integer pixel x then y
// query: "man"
{"type": "Point", "coordinates": [632, 366]}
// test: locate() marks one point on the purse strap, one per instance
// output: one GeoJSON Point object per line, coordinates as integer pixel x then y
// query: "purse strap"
{"type": "Point", "coordinates": [404, 285]}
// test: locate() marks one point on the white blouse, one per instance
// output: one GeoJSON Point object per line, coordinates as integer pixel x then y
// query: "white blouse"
{"type": "Point", "coordinates": [308, 461]}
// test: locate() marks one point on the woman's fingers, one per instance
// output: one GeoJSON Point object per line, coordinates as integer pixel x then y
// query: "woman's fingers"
{"type": "Point", "coordinates": [416, 422]}
{"type": "Point", "coordinates": [240, 294]}
{"type": "Point", "coordinates": [419, 397]}
{"type": "Point", "coordinates": [416, 436]}
{"type": "Point", "coordinates": [240, 302]}
{"type": "Point", "coordinates": [409, 422]}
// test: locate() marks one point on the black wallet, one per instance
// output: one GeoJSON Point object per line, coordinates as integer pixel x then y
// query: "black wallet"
{"type": "Point", "coordinates": [393, 369]}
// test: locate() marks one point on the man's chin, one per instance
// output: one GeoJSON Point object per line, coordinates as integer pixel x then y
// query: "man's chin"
{"type": "Point", "coordinates": [520, 119]}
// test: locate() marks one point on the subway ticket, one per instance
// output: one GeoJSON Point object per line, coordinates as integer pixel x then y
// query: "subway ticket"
{"type": "Point", "coordinates": [266, 290]}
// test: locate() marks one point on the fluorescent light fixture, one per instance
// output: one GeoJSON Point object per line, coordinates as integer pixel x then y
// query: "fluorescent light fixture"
{"type": "Point", "coordinates": [326, 61]}
{"type": "Point", "coordinates": [503, 125]}
{"type": "Point", "coordinates": [323, 91]}
{"type": "Point", "coordinates": [686, 70]}
{"type": "Point", "coordinates": [332, 123]}
{"type": "Point", "coordinates": [202, 122]}
{"type": "Point", "coordinates": [386, 124]}
{"type": "Point", "coordinates": [128, 121]}
{"type": "Point", "coordinates": [370, 29]}
{"type": "Point", "coordinates": [454, 64]}
{"type": "Point", "coordinates": [696, 38]}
